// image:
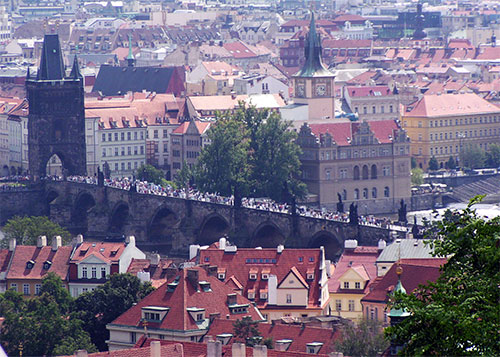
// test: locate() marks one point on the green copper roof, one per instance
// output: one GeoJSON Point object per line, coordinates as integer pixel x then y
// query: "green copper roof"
{"type": "Point", "coordinates": [313, 67]}
{"type": "Point", "coordinates": [130, 54]}
{"type": "Point", "coordinates": [399, 312]}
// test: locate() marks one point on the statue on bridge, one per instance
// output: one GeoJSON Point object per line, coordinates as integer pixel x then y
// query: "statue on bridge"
{"type": "Point", "coordinates": [415, 231]}
{"type": "Point", "coordinates": [353, 214]}
{"type": "Point", "coordinates": [340, 204]}
{"type": "Point", "coordinates": [133, 187]}
{"type": "Point", "coordinates": [402, 212]}
{"type": "Point", "coordinates": [100, 177]}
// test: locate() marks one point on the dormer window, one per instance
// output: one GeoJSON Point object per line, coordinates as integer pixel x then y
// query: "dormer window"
{"type": "Point", "coordinates": [30, 264]}
{"type": "Point", "coordinates": [346, 285]}
{"type": "Point", "coordinates": [282, 345]}
{"type": "Point", "coordinates": [221, 273]}
{"type": "Point", "coordinates": [310, 276]}
{"type": "Point", "coordinates": [251, 294]}
{"type": "Point", "coordinates": [357, 285]}
{"type": "Point", "coordinates": [197, 314]}
{"type": "Point", "coordinates": [253, 274]}
{"type": "Point", "coordinates": [265, 274]}
{"type": "Point", "coordinates": [205, 286]}
{"type": "Point", "coordinates": [263, 294]}
{"type": "Point", "coordinates": [239, 309]}
{"type": "Point", "coordinates": [154, 313]}
{"type": "Point", "coordinates": [224, 338]}
{"type": "Point", "coordinates": [47, 264]}
{"type": "Point", "coordinates": [314, 347]}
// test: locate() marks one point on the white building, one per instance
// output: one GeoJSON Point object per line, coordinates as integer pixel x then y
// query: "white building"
{"type": "Point", "coordinates": [260, 84]}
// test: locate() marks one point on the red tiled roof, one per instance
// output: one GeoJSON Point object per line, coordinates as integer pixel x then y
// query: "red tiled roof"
{"type": "Point", "coordinates": [5, 256]}
{"type": "Point", "coordinates": [239, 263]}
{"type": "Point", "coordinates": [415, 272]}
{"type": "Point", "coordinates": [24, 253]}
{"type": "Point", "coordinates": [239, 50]}
{"type": "Point", "coordinates": [186, 296]}
{"type": "Point", "coordinates": [201, 126]}
{"type": "Point", "coordinates": [342, 132]}
{"type": "Point", "coordinates": [300, 335]}
{"type": "Point", "coordinates": [488, 53]}
{"type": "Point", "coordinates": [328, 43]}
{"type": "Point", "coordinates": [362, 78]}
{"type": "Point", "coordinates": [174, 349]}
{"type": "Point", "coordinates": [369, 91]}
{"type": "Point", "coordinates": [361, 259]}
{"type": "Point", "coordinates": [106, 251]}
{"type": "Point", "coordinates": [157, 274]}
{"type": "Point", "coordinates": [434, 105]}
{"type": "Point", "coordinates": [348, 17]}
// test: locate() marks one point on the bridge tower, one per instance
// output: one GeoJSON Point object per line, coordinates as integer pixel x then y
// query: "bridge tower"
{"type": "Point", "coordinates": [56, 121]}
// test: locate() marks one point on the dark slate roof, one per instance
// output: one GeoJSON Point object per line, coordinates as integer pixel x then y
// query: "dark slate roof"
{"type": "Point", "coordinates": [113, 80]}
{"type": "Point", "coordinates": [51, 64]}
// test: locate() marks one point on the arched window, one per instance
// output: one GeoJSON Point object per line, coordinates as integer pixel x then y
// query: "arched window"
{"type": "Point", "coordinates": [386, 191]}
{"type": "Point", "coordinates": [355, 173]}
{"type": "Point", "coordinates": [365, 172]}
{"type": "Point", "coordinates": [374, 192]}
{"type": "Point", "coordinates": [356, 194]}
{"type": "Point", "coordinates": [365, 193]}
{"type": "Point", "coordinates": [344, 195]}
{"type": "Point", "coordinates": [374, 172]}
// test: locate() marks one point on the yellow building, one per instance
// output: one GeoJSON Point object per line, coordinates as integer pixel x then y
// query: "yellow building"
{"type": "Point", "coordinates": [350, 281]}
{"type": "Point", "coordinates": [443, 125]}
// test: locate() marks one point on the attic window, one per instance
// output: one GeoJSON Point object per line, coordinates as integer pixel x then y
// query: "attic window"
{"type": "Point", "coordinates": [221, 276]}
{"type": "Point", "coordinates": [154, 313]}
{"type": "Point", "coordinates": [263, 294]}
{"type": "Point", "coordinates": [205, 286]}
{"type": "Point", "coordinates": [314, 347]}
{"type": "Point", "coordinates": [265, 276]}
{"type": "Point", "coordinates": [30, 264]}
{"type": "Point", "coordinates": [113, 252]}
{"type": "Point", "coordinates": [310, 276]}
{"type": "Point", "coordinates": [47, 264]}
{"type": "Point", "coordinates": [253, 276]}
{"type": "Point", "coordinates": [239, 309]}
{"type": "Point", "coordinates": [83, 252]}
{"type": "Point", "coordinates": [251, 294]}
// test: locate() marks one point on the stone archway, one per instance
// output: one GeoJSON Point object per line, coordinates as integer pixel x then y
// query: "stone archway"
{"type": "Point", "coordinates": [267, 235]}
{"type": "Point", "coordinates": [333, 248]}
{"type": "Point", "coordinates": [54, 166]}
{"type": "Point", "coordinates": [119, 218]}
{"type": "Point", "coordinates": [79, 215]}
{"type": "Point", "coordinates": [212, 228]}
{"type": "Point", "coordinates": [162, 227]}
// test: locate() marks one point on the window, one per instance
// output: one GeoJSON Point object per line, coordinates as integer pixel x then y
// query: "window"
{"type": "Point", "coordinates": [355, 173]}
{"type": "Point", "coordinates": [338, 305]}
{"type": "Point", "coordinates": [103, 273]}
{"type": "Point", "coordinates": [26, 289]}
{"type": "Point", "coordinates": [351, 305]}
{"type": "Point", "coordinates": [365, 193]}
{"type": "Point", "coordinates": [373, 172]}
{"type": "Point", "coordinates": [155, 134]}
{"type": "Point", "coordinates": [128, 136]}
{"type": "Point", "coordinates": [327, 174]}
{"type": "Point", "coordinates": [374, 192]}
{"type": "Point", "coordinates": [37, 289]}
{"type": "Point", "coordinates": [390, 109]}
{"type": "Point", "coordinates": [13, 286]}
{"type": "Point", "coordinates": [116, 151]}
{"type": "Point", "coordinates": [343, 173]}
{"type": "Point", "coordinates": [116, 136]}
{"type": "Point", "coordinates": [374, 110]}
{"type": "Point", "coordinates": [288, 298]}
{"type": "Point", "coordinates": [84, 272]}
{"type": "Point", "coordinates": [357, 285]}
{"type": "Point", "coordinates": [386, 171]}
{"type": "Point", "coordinates": [133, 337]}
{"type": "Point", "coordinates": [103, 137]}
{"type": "Point", "coordinates": [165, 133]}
{"type": "Point", "coordinates": [386, 191]}
{"type": "Point", "coordinates": [346, 285]}
{"type": "Point", "coordinates": [103, 152]}
{"type": "Point", "coordinates": [94, 272]}
{"type": "Point", "coordinates": [344, 194]}
{"type": "Point", "coordinates": [129, 150]}
{"type": "Point", "coordinates": [110, 137]}
{"type": "Point", "coordinates": [122, 136]}
{"type": "Point", "coordinates": [356, 194]}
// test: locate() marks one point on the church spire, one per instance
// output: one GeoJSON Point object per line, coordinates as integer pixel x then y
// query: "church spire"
{"type": "Point", "coordinates": [130, 57]}
{"type": "Point", "coordinates": [313, 65]}
{"type": "Point", "coordinates": [75, 70]}
{"type": "Point", "coordinates": [51, 63]}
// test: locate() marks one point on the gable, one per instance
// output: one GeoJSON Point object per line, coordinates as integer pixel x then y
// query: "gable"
{"type": "Point", "coordinates": [292, 281]}
{"type": "Point", "coordinates": [351, 274]}
{"type": "Point", "coordinates": [92, 259]}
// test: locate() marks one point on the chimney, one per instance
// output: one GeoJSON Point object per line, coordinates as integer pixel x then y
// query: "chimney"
{"type": "Point", "coordinates": [222, 243]}
{"type": "Point", "coordinates": [192, 277]}
{"type": "Point", "coordinates": [155, 349]}
{"type": "Point", "coordinates": [130, 240]}
{"type": "Point", "coordinates": [213, 316]}
{"type": "Point", "coordinates": [193, 251]}
{"type": "Point", "coordinates": [41, 241]}
{"type": "Point", "coordinates": [231, 299]}
{"type": "Point", "coordinates": [214, 349]}
{"type": "Point", "coordinates": [381, 244]}
{"type": "Point", "coordinates": [272, 285]}
{"type": "Point", "coordinates": [155, 260]}
{"type": "Point", "coordinates": [280, 248]}
{"type": "Point", "coordinates": [12, 244]}
{"type": "Point", "coordinates": [260, 351]}
{"type": "Point", "coordinates": [212, 270]}
{"type": "Point", "coordinates": [350, 244]}
{"type": "Point", "coordinates": [81, 353]}
{"type": "Point", "coordinates": [238, 350]}
{"type": "Point", "coordinates": [56, 243]}
{"type": "Point", "coordinates": [78, 239]}
{"type": "Point", "coordinates": [171, 272]}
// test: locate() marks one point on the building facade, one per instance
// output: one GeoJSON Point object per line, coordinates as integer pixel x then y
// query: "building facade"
{"type": "Point", "coordinates": [372, 102]}
{"type": "Point", "coordinates": [444, 125]}
{"type": "Point", "coordinates": [366, 163]}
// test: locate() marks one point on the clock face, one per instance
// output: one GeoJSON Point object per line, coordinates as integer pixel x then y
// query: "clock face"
{"type": "Point", "coordinates": [321, 89]}
{"type": "Point", "coordinates": [300, 90]}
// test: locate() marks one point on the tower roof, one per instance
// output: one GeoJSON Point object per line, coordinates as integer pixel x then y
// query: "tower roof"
{"type": "Point", "coordinates": [75, 70]}
{"type": "Point", "coordinates": [130, 55]}
{"type": "Point", "coordinates": [313, 66]}
{"type": "Point", "coordinates": [51, 63]}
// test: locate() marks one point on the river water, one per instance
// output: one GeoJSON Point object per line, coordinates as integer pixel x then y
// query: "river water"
{"type": "Point", "coordinates": [485, 210]}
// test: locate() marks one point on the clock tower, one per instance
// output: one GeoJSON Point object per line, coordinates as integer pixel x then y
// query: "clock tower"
{"type": "Point", "coordinates": [314, 83]}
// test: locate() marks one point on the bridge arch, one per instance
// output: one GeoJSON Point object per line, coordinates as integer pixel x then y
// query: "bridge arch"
{"type": "Point", "coordinates": [119, 218]}
{"type": "Point", "coordinates": [213, 227]}
{"type": "Point", "coordinates": [79, 214]}
{"type": "Point", "coordinates": [162, 226]}
{"type": "Point", "coordinates": [50, 197]}
{"type": "Point", "coordinates": [267, 235]}
{"type": "Point", "coordinates": [326, 239]}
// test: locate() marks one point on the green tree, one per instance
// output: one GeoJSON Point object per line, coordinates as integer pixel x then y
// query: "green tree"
{"type": "Point", "coordinates": [52, 285]}
{"type": "Point", "coordinates": [222, 166]}
{"type": "Point", "coordinates": [246, 331]}
{"type": "Point", "coordinates": [98, 308]}
{"type": "Point", "coordinates": [184, 177]}
{"type": "Point", "coordinates": [433, 164]}
{"type": "Point", "coordinates": [39, 324]}
{"type": "Point", "coordinates": [417, 176]}
{"type": "Point", "coordinates": [365, 338]}
{"type": "Point", "coordinates": [26, 230]}
{"type": "Point", "coordinates": [150, 173]}
{"type": "Point", "coordinates": [473, 157]}
{"type": "Point", "coordinates": [451, 163]}
{"type": "Point", "coordinates": [493, 156]}
{"type": "Point", "coordinates": [458, 315]}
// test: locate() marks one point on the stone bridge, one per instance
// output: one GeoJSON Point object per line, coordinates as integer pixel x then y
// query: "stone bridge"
{"type": "Point", "coordinates": [170, 225]}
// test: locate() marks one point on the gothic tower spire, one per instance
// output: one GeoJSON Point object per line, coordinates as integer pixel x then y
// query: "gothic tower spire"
{"type": "Point", "coordinates": [130, 57]}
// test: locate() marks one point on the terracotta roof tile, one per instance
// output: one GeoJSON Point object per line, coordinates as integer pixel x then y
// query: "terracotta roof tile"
{"type": "Point", "coordinates": [106, 251]}
{"type": "Point", "coordinates": [369, 91]}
